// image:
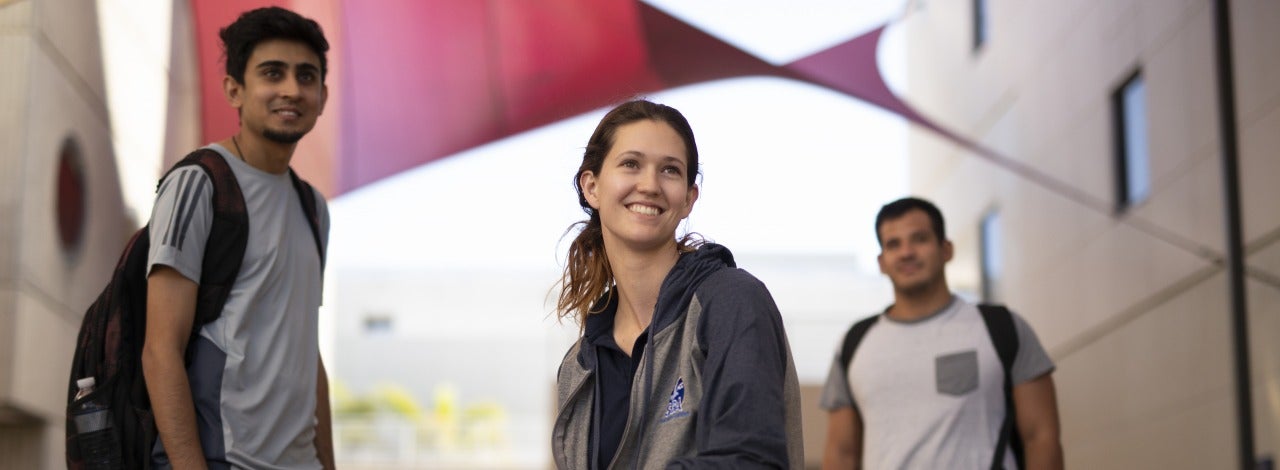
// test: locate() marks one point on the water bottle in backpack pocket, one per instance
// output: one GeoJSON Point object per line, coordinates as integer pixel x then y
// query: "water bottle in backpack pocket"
{"type": "Point", "coordinates": [96, 437]}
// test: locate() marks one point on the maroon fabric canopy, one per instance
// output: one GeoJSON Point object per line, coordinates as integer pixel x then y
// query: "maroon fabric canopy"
{"type": "Point", "coordinates": [413, 81]}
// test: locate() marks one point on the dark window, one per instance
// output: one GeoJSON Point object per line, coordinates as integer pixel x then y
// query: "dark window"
{"type": "Point", "coordinates": [71, 196]}
{"type": "Point", "coordinates": [990, 239]}
{"type": "Point", "coordinates": [378, 323]}
{"type": "Point", "coordinates": [980, 23]}
{"type": "Point", "coordinates": [1133, 165]}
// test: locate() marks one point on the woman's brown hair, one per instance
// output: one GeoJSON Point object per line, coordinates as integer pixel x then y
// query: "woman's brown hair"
{"type": "Point", "coordinates": [587, 274]}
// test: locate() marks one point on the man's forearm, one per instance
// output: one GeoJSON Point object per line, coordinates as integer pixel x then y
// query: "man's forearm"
{"type": "Point", "coordinates": [844, 440]}
{"type": "Point", "coordinates": [1043, 454]}
{"type": "Point", "coordinates": [837, 460]}
{"type": "Point", "coordinates": [324, 421]}
{"type": "Point", "coordinates": [174, 410]}
{"type": "Point", "coordinates": [1037, 407]}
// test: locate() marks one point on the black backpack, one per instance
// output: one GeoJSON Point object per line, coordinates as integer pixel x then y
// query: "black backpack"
{"type": "Point", "coordinates": [109, 345]}
{"type": "Point", "coordinates": [1004, 337]}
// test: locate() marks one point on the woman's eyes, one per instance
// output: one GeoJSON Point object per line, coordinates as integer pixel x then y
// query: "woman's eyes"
{"type": "Point", "coordinates": [667, 169]}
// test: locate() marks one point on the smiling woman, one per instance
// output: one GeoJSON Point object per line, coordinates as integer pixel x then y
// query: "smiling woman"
{"type": "Point", "coordinates": [634, 140]}
{"type": "Point", "coordinates": [643, 184]}
{"type": "Point", "coordinates": [703, 337]}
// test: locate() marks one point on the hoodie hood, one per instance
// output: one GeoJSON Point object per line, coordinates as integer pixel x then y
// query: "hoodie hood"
{"type": "Point", "coordinates": [683, 280]}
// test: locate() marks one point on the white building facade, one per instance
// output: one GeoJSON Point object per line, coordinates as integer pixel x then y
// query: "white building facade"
{"type": "Point", "coordinates": [1101, 218]}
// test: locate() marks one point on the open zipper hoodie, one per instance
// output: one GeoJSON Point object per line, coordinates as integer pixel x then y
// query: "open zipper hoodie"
{"type": "Point", "coordinates": [716, 386]}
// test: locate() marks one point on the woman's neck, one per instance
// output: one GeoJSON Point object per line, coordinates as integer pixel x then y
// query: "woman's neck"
{"type": "Point", "coordinates": [638, 277]}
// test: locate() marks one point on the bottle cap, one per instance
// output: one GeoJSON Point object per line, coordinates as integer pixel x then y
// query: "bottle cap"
{"type": "Point", "coordinates": [85, 382]}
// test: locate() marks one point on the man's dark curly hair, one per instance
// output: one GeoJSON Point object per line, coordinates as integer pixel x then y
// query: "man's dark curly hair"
{"type": "Point", "coordinates": [254, 26]}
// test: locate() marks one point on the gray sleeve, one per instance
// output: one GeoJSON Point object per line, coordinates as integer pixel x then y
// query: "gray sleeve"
{"type": "Point", "coordinates": [1032, 361]}
{"type": "Point", "coordinates": [836, 393]}
{"type": "Point", "coordinates": [180, 222]}
{"type": "Point", "coordinates": [322, 216]}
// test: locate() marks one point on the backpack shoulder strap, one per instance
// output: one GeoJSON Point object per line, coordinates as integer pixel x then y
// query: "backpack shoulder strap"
{"type": "Point", "coordinates": [853, 337]}
{"type": "Point", "coordinates": [1004, 336]}
{"type": "Point", "coordinates": [228, 235]}
{"type": "Point", "coordinates": [309, 206]}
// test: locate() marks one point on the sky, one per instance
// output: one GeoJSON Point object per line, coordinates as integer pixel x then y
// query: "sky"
{"type": "Point", "coordinates": [135, 56]}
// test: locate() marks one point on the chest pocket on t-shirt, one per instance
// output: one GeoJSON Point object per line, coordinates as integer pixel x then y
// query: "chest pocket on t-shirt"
{"type": "Point", "coordinates": [956, 373]}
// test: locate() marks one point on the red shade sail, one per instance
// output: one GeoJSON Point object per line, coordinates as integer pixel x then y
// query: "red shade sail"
{"type": "Point", "coordinates": [413, 81]}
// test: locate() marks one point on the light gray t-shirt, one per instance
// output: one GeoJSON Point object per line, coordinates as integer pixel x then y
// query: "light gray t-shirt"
{"type": "Point", "coordinates": [931, 392]}
{"type": "Point", "coordinates": [253, 373]}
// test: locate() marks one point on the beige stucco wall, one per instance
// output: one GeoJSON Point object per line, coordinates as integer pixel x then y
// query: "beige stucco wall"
{"type": "Point", "coordinates": [1132, 307]}
{"type": "Point", "coordinates": [51, 89]}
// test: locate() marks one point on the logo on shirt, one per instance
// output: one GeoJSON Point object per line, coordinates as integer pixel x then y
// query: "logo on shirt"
{"type": "Point", "coordinates": [675, 404]}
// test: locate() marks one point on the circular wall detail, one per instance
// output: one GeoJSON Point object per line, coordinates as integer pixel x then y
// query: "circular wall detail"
{"type": "Point", "coordinates": [71, 195]}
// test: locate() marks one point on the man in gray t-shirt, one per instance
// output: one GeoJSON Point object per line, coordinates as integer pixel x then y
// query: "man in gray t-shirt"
{"type": "Point", "coordinates": [250, 390]}
{"type": "Point", "coordinates": [925, 386]}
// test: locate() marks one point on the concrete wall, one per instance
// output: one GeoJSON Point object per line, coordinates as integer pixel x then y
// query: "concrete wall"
{"type": "Point", "coordinates": [1132, 306]}
{"type": "Point", "coordinates": [51, 90]}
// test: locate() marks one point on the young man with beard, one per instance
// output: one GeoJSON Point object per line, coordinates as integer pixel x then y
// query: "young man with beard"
{"type": "Point", "coordinates": [247, 390]}
{"type": "Point", "coordinates": [927, 385]}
